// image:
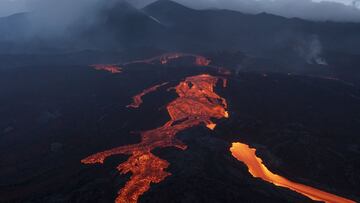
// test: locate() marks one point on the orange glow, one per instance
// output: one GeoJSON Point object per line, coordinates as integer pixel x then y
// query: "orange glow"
{"type": "Point", "coordinates": [211, 126]}
{"type": "Point", "coordinates": [110, 68]}
{"type": "Point", "coordinates": [257, 169]}
{"type": "Point", "coordinates": [137, 99]}
{"type": "Point", "coordinates": [202, 61]}
{"type": "Point", "coordinates": [197, 103]}
{"type": "Point", "coordinates": [225, 82]}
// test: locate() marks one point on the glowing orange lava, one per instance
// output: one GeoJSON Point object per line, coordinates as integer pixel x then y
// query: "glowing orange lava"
{"type": "Point", "coordinates": [197, 104]}
{"type": "Point", "coordinates": [257, 169]}
{"type": "Point", "coordinates": [137, 99]}
{"type": "Point", "coordinates": [109, 68]}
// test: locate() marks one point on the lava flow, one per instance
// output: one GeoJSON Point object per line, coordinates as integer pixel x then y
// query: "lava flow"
{"type": "Point", "coordinates": [168, 57]}
{"type": "Point", "coordinates": [137, 99]}
{"type": "Point", "coordinates": [109, 68]}
{"type": "Point", "coordinates": [197, 104]}
{"type": "Point", "coordinates": [247, 155]}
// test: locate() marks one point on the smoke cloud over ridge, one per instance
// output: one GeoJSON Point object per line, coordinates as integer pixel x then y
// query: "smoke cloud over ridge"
{"type": "Point", "coordinates": [306, 9]}
{"type": "Point", "coordinates": [334, 10]}
{"type": "Point", "coordinates": [60, 24]}
{"type": "Point", "coordinates": [319, 10]}
{"type": "Point", "coordinates": [58, 16]}
{"type": "Point", "coordinates": [54, 18]}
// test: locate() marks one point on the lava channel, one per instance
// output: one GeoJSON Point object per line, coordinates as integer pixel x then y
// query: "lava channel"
{"type": "Point", "coordinates": [197, 103]}
{"type": "Point", "coordinates": [114, 69]}
{"type": "Point", "coordinates": [137, 99]}
{"type": "Point", "coordinates": [247, 155]}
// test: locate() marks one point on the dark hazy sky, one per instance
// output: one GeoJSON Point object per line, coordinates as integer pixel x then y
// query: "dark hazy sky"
{"type": "Point", "coordinates": [338, 10]}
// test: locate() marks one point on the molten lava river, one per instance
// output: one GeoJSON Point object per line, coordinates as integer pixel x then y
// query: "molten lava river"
{"type": "Point", "coordinates": [196, 104]}
{"type": "Point", "coordinates": [245, 154]}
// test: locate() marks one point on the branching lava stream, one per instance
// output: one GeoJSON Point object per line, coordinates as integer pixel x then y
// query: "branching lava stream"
{"type": "Point", "coordinates": [247, 155]}
{"type": "Point", "coordinates": [114, 69]}
{"type": "Point", "coordinates": [197, 104]}
{"type": "Point", "coordinates": [137, 99]}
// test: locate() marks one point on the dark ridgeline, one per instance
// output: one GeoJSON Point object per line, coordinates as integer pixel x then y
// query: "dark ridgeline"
{"type": "Point", "coordinates": [122, 32]}
{"type": "Point", "coordinates": [169, 25]}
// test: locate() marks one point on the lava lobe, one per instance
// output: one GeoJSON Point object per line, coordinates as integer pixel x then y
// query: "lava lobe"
{"type": "Point", "coordinates": [197, 103]}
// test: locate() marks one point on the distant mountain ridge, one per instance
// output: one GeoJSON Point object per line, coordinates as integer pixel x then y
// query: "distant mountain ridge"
{"type": "Point", "coordinates": [171, 26]}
